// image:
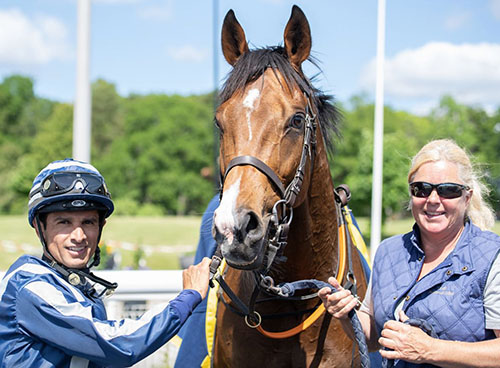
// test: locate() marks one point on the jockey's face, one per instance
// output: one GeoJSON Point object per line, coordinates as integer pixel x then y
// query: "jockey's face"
{"type": "Point", "coordinates": [72, 236]}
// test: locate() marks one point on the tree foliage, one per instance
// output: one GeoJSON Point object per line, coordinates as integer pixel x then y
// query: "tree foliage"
{"type": "Point", "coordinates": [167, 141]}
{"type": "Point", "coordinates": [404, 135]}
{"type": "Point", "coordinates": [152, 149]}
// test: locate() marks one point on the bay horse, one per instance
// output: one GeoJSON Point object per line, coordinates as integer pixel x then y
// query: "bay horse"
{"type": "Point", "coordinates": [267, 118]}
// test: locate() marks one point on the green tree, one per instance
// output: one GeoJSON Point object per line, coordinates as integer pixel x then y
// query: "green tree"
{"type": "Point", "coordinates": [476, 130]}
{"type": "Point", "coordinates": [167, 141]}
{"type": "Point", "coordinates": [107, 117]}
{"type": "Point", "coordinates": [52, 142]}
{"type": "Point", "coordinates": [15, 93]}
{"type": "Point", "coordinates": [152, 148]}
{"type": "Point", "coordinates": [353, 160]}
{"type": "Point", "coordinates": [21, 114]}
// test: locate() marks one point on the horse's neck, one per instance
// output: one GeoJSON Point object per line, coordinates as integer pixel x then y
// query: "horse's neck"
{"type": "Point", "coordinates": [312, 243]}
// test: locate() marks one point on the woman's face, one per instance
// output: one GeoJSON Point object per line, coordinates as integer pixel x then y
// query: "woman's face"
{"type": "Point", "coordinates": [436, 216]}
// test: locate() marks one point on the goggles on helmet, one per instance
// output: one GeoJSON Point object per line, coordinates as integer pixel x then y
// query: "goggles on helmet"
{"type": "Point", "coordinates": [73, 182]}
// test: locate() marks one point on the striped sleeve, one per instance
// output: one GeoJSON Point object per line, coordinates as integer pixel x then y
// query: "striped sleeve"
{"type": "Point", "coordinates": [46, 312]}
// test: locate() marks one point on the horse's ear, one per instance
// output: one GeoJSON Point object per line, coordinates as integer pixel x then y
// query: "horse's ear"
{"type": "Point", "coordinates": [234, 43]}
{"type": "Point", "coordinates": [297, 37]}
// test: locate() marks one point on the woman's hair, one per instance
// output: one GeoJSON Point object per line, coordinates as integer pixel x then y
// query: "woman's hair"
{"type": "Point", "coordinates": [479, 212]}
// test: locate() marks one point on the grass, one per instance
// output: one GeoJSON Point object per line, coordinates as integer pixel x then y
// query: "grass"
{"type": "Point", "coordinates": [174, 236]}
{"type": "Point", "coordinates": [154, 230]}
{"type": "Point", "coordinates": [17, 229]}
{"type": "Point", "coordinates": [389, 229]}
{"type": "Point", "coordinates": [162, 240]}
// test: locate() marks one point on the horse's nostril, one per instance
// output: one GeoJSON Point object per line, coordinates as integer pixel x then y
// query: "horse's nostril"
{"type": "Point", "coordinates": [253, 222]}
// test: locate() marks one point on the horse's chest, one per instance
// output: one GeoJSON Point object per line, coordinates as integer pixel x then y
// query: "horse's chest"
{"type": "Point", "coordinates": [321, 345]}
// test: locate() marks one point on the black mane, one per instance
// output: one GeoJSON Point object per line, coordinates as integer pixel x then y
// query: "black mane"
{"type": "Point", "coordinates": [251, 65]}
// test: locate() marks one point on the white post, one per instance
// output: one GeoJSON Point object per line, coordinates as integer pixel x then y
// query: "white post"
{"type": "Point", "coordinates": [83, 102]}
{"type": "Point", "coordinates": [215, 51]}
{"type": "Point", "coordinates": [215, 40]}
{"type": "Point", "coordinates": [378, 134]}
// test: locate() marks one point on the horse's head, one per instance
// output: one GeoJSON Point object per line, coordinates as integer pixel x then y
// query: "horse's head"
{"type": "Point", "coordinates": [267, 108]}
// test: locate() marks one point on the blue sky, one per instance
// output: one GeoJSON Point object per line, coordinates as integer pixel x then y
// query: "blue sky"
{"type": "Point", "coordinates": [152, 46]}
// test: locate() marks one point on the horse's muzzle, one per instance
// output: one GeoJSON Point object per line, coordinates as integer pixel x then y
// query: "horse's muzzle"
{"type": "Point", "coordinates": [244, 245]}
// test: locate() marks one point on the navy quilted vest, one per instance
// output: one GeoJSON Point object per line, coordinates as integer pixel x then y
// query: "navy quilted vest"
{"type": "Point", "coordinates": [450, 297]}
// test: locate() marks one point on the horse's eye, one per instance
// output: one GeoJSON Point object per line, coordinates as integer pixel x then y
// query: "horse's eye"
{"type": "Point", "coordinates": [217, 124]}
{"type": "Point", "coordinates": [297, 121]}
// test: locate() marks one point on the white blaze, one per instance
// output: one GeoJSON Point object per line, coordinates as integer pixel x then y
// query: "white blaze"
{"type": "Point", "coordinates": [224, 214]}
{"type": "Point", "coordinates": [249, 103]}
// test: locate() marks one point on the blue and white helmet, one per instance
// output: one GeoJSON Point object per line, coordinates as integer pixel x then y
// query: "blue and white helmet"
{"type": "Point", "coordinates": [68, 185]}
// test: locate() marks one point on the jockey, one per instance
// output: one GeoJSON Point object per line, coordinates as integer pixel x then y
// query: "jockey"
{"type": "Point", "coordinates": [51, 311]}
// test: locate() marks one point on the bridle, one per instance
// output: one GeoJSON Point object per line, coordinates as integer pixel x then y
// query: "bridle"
{"type": "Point", "coordinates": [282, 212]}
{"type": "Point", "coordinates": [280, 219]}
{"type": "Point", "coordinates": [277, 235]}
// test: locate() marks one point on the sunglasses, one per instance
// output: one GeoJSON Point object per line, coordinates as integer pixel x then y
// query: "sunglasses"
{"type": "Point", "coordinates": [65, 182]}
{"type": "Point", "coordinates": [422, 189]}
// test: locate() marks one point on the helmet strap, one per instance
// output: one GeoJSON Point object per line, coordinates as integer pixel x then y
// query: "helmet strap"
{"type": "Point", "coordinates": [42, 238]}
{"type": "Point", "coordinates": [97, 253]}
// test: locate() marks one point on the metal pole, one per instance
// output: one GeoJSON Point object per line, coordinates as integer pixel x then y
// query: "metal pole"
{"type": "Point", "coordinates": [82, 106]}
{"type": "Point", "coordinates": [216, 50]}
{"type": "Point", "coordinates": [378, 135]}
{"type": "Point", "coordinates": [215, 41]}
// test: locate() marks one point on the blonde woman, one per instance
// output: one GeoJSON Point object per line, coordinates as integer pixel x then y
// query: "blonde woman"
{"type": "Point", "coordinates": [445, 272]}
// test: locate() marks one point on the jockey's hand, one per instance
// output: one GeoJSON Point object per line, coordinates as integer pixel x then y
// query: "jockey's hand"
{"type": "Point", "coordinates": [338, 304]}
{"type": "Point", "coordinates": [196, 277]}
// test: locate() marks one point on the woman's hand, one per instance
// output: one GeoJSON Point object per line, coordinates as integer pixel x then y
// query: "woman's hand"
{"type": "Point", "coordinates": [406, 342]}
{"type": "Point", "coordinates": [338, 304]}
